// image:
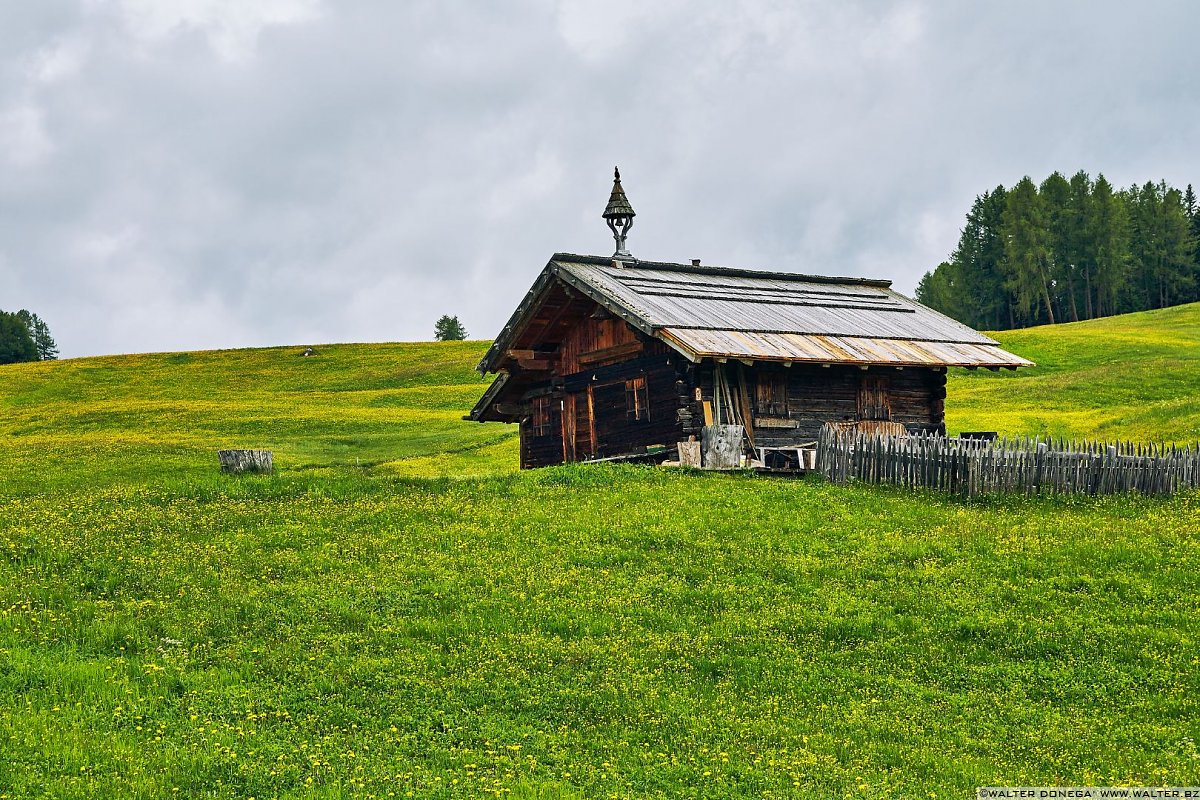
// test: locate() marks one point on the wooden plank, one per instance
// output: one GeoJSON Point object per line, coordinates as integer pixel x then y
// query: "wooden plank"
{"type": "Point", "coordinates": [591, 407]}
{"type": "Point", "coordinates": [722, 446]}
{"type": "Point", "coordinates": [568, 428]}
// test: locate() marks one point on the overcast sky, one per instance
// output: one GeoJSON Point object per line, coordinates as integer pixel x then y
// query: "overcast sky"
{"type": "Point", "coordinates": [197, 174]}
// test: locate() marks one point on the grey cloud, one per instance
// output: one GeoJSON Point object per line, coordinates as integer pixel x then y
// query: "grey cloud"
{"type": "Point", "coordinates": [351, 171]}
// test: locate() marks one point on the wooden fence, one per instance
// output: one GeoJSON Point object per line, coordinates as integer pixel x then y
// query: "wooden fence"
{"type": "Point", "coordinates": [1022, 465]}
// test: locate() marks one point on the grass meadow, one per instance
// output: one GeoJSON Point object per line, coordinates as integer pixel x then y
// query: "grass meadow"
{"type": "Point", "coordinates": [1135, 376]}
{"type": "Point", "coordinates": [397, 612]}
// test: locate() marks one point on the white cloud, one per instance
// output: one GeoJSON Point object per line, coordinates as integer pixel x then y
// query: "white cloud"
{"type": "Point", "coordinates": [231, 26]}
{"type": "Point", "coordinates": [24, 141]}
{"type": "Point", "coordinates": [101, 248]}
{"type": "Point", "coordinates": [59, 60]}
{"type": "Point", "coordinates": [899, 29]}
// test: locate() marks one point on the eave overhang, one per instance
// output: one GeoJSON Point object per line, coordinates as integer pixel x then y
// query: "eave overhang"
{"type": "Point", "coordinates": [480, 413]}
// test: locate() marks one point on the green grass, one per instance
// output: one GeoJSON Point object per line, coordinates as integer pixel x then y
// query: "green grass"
{"type": "Point", "coordinates": [123, 419]}
{"type": "Point", "coordinates": [1135, 376]}
{"type": "Point", "coordinates": [398, 611]}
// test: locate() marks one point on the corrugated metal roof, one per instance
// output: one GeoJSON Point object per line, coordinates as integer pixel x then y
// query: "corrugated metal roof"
{"type": "Point", "coordinates": [705, 311]}
{"type": "Point", "coordinates": [682, 299]}
{"type": "Point", "coordinates": [701, 343]}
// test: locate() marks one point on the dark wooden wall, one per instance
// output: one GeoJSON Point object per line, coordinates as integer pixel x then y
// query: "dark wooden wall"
{"type": "Point", "coordinates": [543, 451]}
{"type": "Point", "coordinates": [596, 342]}
{"type": "Point", "coordinates": [589, 399]}
{"type": "Point", "coordinates": [603, 391]}
{"type": "Point", "coordinates": [816, 395]}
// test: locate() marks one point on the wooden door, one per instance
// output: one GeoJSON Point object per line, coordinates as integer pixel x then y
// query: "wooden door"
{"type": "Point", "coordinates": [873, 401]}
{"type": "Point", "coordinates": [609, 425]}
{"type": "Point", "coordinates": [578, 433]}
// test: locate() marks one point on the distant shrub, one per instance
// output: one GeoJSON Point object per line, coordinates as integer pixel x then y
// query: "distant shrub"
{"type": "Point", "coordinates": [449, 329]}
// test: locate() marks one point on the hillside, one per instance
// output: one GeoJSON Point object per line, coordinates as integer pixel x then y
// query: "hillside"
{"type": "Point", "coordinates": [159, 416]}
{"type": "Point", "coordinates": [1135, 376]}
{"type": "Point", "coordinates": [356, 625]}
{"type": "Point", "coordinates": [396, 408]}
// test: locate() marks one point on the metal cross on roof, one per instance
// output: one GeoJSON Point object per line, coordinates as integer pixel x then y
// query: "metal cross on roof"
{"type": "Point", "coordinates": [619, 215]}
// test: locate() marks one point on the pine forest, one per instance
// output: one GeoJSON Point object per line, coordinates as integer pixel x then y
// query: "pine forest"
{"type": "Point", "coordinates": [1068, 250]}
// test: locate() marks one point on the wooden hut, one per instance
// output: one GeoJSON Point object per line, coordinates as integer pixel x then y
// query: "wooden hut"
{"type": "Point", "coordinates": [612, 356]}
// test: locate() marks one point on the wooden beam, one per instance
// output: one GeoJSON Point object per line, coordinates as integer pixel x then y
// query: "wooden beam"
{"type": "Point", "coordinates": [535, 364]}
{"type": "Point", "coordinates": [616, 351]}
{"type": "Point", "coordinates": [568, 302]}
{"type": "Point", "coordinates": [510, 409]}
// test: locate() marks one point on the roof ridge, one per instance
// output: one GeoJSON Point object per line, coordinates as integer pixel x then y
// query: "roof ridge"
{"type": "Point", "coordinates": [733, 272]}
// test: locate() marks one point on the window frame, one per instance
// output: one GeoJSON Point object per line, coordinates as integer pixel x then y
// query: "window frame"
{"type": "Point", "coordinates": [637, 399]}
{"type": "Point", "coordinates": [541, 423]}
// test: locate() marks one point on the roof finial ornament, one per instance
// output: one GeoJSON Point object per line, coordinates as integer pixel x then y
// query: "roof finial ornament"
{"type": "Point", "coordinates": [619, 216]}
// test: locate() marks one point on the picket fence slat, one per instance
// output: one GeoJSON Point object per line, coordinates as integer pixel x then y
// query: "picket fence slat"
{"type": "Point", "coordinates": [1019, 465]}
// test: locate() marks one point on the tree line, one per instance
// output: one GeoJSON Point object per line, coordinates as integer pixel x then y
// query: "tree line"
{"type": "Point", "coordinates": [1069, 249]}
{"type": "Point", "coordinates": [25, 337]}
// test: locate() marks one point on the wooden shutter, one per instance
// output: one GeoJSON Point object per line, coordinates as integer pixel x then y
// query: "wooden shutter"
{"type": "Point", "coordinates": [770, 394]}
{"type": "Point", "coordinates": [873, 398]}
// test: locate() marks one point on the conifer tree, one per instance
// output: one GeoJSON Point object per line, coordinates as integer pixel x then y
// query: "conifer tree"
{"type": "Point", "coordinates": [1107, 232]}
{"type": "Point", "coordinates": [1162, 250]}
{"type": "Point", "coordinates": [937, 290]}
{"type": "Point", "coordinates": [1069, 249]}
{"type": "Point", "coordinates": [15, 342]}
{"type": "Point", "coordinates": [978, 258]}
{"type": "Point", "coordinates": [43, 342]}
{"type": "Point", "coordinates": [1055, 195]}
{"type": "Point", "coordinates": [1194, 295]}
{"type": "Point", "coordinates": [448, 329]}
{"type": "Point", "coordinates": [1078, 246]}
{"type": "Point", "coordinates": [1027, 253]}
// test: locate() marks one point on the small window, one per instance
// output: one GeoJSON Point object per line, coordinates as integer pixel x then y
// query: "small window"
{"type": "Point", "coordinates": [873, 398]}
{"type": "Point", "coordinates": [637, 406]}
{"type": "Point", "coordinates": [541, 416]}
{"type": "Point", "coordinates": [770, 394]}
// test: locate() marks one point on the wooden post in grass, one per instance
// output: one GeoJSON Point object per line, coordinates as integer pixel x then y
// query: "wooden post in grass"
{"type": "Point", "coordinates": [689, 454]}
{"type": "Point", "coordinates": [237, 461]}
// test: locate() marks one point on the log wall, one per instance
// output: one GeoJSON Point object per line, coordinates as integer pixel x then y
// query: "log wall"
{"type": "Point", "coordinates": [601, 342]}
{"type": "Point", "coordinates": [589, 405]}
{"type": "Point", "coordinates": [915, 397]}
{"type": "Point", "coordinates": [547, 449]}
{"type": "Point", "coordinates": [602, 391]}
